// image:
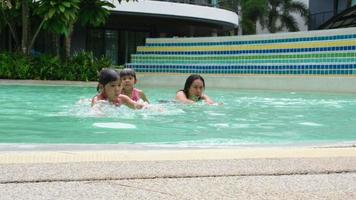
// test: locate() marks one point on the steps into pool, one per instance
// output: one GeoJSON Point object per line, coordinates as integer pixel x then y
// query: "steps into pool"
{"type": "Point", "coordinates": [326, 52]}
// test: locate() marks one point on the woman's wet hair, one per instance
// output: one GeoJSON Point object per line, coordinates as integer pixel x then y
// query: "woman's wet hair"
{"type": "Point", "coordinates": [128, 72]}
{"type": "Point", "coordinates": [190, 81]}
{"type": "Point", "coordinates": [106, 76]}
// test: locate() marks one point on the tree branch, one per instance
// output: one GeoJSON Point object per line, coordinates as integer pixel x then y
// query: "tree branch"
{"type": "Point", "coordinates": [12, 29]}
{"type": "Point", "coordinates": [36, 34]}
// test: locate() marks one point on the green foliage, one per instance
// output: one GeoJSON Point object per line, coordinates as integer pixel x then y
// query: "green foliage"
{"type": "Point", "coordinates": [85, 66]}
{"type": "Point", "coordinates": [11, 9]}
{"type": "Point", "coordinates": [81, 67]}
{"type": "Point", "coordinates": [279, 15]}
{"type": "Point", "coordinates": [5, 66]}
{"type": "Point", "coordinates": [273, 14]}
{"type": "Point", "coordinates": [10, 13]}
{"type": "Point", "coordinates": [59, 14]}
{"type": "Point", "coordinates": [94, 12]}
{"type": "Point", "coordinates": [14, 66]}
{"type": "Point", "coordinates": [252, 11]}
{"type": "Point", "coordinates": [46, 67]}
{"type": "Point", "coordinates": [249, 10]}
{"type": "Point", "coordinates": [55, 16]}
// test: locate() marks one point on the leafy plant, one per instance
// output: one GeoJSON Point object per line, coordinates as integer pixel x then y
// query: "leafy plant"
{"type": "Point", "coordinates": [45, 67]}
{"type": "Point", "coordinates": [59, 14]}
{"type": "Point", "coordinates": [4, 66]}
{"type": "Point", "coordinates": [275, 15]}
{"type": "Point", "coordinates": [83, 66]}
{"type": "Point", "coordinates": [14, 66]}
{"type": "Point", "coordinates": [279, 15]}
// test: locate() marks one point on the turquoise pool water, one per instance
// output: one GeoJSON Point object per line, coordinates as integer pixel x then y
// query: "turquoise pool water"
{"type": "Point", "coordinates": [62, 115]}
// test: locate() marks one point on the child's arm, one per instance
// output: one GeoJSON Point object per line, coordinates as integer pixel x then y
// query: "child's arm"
{"type": "Point", "coordinates": [130, 103]}
{"type": "Point", "coordinates": [180, 96]}
{"type": "Point", "coordinates": [207, 100]}
{"type": "Point", "coordinates": [143, 96]}
{"type": "Point", "coordinates": [94, 100]}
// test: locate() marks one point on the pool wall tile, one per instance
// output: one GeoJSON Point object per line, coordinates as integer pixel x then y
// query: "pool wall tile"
{"type": "Point", "coordinates": [327, 52]}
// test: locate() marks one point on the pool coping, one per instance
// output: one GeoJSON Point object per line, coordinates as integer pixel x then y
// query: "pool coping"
{"type": "Point", "coordinates": [109, 155]}
{"type": "Point", "coordinates": [33, 167]}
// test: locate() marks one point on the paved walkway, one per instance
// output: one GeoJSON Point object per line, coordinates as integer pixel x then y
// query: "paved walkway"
{"type": "Point", "coordinates": [271, 173]}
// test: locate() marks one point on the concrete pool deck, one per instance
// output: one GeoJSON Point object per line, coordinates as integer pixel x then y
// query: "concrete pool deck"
{"type": "Point", "coordinates": [244, 173]}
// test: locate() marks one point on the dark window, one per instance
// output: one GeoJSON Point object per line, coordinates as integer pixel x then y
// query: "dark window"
{"type": "Point", "coordinates": [115, 45]}
{"type": "Point", "coordinates": [95, 42]}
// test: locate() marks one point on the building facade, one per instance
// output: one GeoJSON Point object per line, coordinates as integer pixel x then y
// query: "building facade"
{"type": "Point", "coordinates": [322, 11]}
{"type": "Point", "coordinates": [130, 23]}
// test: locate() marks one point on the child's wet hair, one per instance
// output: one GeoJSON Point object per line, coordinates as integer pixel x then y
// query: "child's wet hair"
{"type": "Point", "coordinates": [190, 81]}
{"type": "Point", "coordinates": [106, 76]}
{"type": "Point", "coordinates": [128, 72]}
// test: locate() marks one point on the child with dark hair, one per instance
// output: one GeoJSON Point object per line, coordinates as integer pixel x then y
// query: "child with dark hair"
{"type": "Point", "coordinates": [109, 89]}
{"type": "Point", "coordinates": [193, 91]}
{"type": "Point", "coordinates": [128, 78]}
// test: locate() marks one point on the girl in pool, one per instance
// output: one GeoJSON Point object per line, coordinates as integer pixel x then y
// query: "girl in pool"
{"type": "Point", "coordinates": [128, 79]}
{"type": "Point", "coordinates": [193, 91]}
{"type": "Point", "coordinates": [109, 88]}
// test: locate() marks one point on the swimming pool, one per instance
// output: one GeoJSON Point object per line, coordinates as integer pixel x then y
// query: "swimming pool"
{"type": "Point", "coordinates": [62, 115]}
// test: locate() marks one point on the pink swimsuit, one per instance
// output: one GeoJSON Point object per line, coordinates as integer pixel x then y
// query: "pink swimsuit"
{"type": "Point", "coordinates": [135, 95]}
{"type": "Point", "coordinates": [101, 96]}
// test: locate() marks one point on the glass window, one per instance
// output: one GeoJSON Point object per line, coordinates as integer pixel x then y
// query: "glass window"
{"type": "Point", "coordinates": [111, 46]}
{"type": "Point", "coordinates": [115, 45]}
{"type": "Point", "coordinates": [128, 42]}
{"type": "Point", "coordinates": [95, 42]}
{"type": "Point", "coordinates": [342, 5]}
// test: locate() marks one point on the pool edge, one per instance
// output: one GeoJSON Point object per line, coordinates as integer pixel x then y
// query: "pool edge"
{"type": "Point", "coordinates": [70, 156]}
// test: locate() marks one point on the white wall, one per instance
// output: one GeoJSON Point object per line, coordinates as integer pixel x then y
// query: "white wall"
{"type": "Point", "coordinates": [301, 24]}
{"type": "Point", "coordinates": [176, 10]}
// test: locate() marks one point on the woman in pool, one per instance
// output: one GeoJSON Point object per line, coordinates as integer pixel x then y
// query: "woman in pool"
{"type": "Point", "coordinates": [193, 91]}
{"type": "Point", "coordinates": [128, 78]}
{"type": "Point", "coordinates": [109, 88]}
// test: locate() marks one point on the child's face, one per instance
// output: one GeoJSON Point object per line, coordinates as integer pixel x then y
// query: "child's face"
{"type": "Point", "coordinates": [196, 89]}
{"type": "Point", "coordinates": [128, 82]}
{"type": "Point", "coordinates": [113, 89]}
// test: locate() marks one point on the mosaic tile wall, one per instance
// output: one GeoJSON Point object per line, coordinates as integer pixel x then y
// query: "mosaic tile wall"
{"type": "Point", "coordinates": [329, 52]}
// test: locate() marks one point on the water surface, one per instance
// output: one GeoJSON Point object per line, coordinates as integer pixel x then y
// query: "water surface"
{"type": "Point", "coordinates": [62, 115]}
